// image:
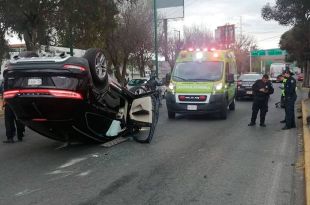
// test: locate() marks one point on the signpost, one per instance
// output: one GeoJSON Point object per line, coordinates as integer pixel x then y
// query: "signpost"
{"type": "Point", "coordinates": [166, 10]}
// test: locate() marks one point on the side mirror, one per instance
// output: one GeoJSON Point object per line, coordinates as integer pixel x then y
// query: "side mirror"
{"type": "Point", "coordinates": [230, 78]}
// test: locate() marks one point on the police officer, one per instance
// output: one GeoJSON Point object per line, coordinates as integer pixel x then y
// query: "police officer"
{"type": "Point", "coordinates": [290, 98]}
{"type": "Point", "coordinates": [12, 125]}
{"type": "Point", "coordinates": [262, 89]}
{"type": "Point", "coordinates": [282, 79]}
{"type": "Point", "coordinates": [152, 85]}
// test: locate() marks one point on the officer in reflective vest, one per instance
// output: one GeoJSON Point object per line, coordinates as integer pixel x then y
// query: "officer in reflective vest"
{"type": "Point", "coordinates": [290, 98]}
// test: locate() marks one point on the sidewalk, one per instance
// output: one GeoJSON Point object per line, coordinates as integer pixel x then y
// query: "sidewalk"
{"type": "Point", "coordinates": [306, 135]}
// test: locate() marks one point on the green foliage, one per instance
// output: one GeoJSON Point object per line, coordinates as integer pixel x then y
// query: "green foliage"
{"type": "Point", "coordinates": [288, 12]}
{"type": "Point", "coordinates": [297, 40]}
{"type": "Point", "coordinates": [29, 19]}
{"type": "Point", "coordinates": [84, 24]}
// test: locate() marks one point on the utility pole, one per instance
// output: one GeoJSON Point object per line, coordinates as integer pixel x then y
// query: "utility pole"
{"type": "Point", "coordinates": [166, 39]}
{"type": "Point", "coordinates": [250, 60]}
{"type": "Point", "coordinates": [240, 27]}
{"type": "Point", "coordinates": [155, 36]}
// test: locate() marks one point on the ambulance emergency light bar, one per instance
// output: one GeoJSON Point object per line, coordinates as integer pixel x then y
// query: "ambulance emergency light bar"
{"type": "Point", "coordinates": [199, 49]}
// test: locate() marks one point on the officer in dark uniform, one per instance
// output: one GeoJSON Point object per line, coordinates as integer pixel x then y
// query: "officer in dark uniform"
{"type": "Point", "coordinates": [152, 85]}
{"type": "Point", "coordinates": [12, 125]}
{"type": "Point", "coordinates": [10, 122]}
{"type": "Point", "coordinates": [290, 98]}
{"type": "Point", "coordinates": [262, 89]}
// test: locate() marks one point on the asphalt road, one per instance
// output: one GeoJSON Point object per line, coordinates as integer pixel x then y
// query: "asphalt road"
{"type": "Point", "coordinates": [192, 160]}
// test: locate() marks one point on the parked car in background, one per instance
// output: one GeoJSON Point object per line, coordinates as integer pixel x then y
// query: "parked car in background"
{"type": "Point", "coordinates": [136, 83]}
{"type": "Point", "coordinates": [275, 70]}
{"type": "Point", "coordinates": [244, 84]}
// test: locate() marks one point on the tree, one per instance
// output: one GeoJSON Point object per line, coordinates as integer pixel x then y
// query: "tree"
{"type": "Point", "coordinates": [28, 19]}
{"type": "Point", "coordinates": [197, 36]}
{"type": "Point", "coordinates": [132, 38]}
{"type": "Point", "coordinates": [4, 48]}
{"type": "Point", "coordinates": [84, 24]}
{"type": "Point", "coordinates": [296, 41]}
{"type": "Point", "coordinates": [174, 46]}
{"type": "Point", "coordinates": [242, 47]}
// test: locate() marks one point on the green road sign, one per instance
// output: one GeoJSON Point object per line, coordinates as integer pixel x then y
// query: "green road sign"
{"type": "Point", "coordinates": [256, 53]}
{"type": "Point", "coordinates": [269, 52]}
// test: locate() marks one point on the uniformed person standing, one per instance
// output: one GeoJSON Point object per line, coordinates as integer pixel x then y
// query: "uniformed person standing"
{"type": "Point", "coordinates": [290, 98]}
{"type": "Point", "coordinates": [262, 89]}
{"type": "Point", "coordinates": [12, 125]}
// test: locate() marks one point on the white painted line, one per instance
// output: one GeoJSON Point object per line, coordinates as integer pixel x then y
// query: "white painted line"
{"type": "Point", "coordinates": [83, 174]}
{"type": "Point", "coordinates": [26, 192]}
{"type": "Point", "coordinates": [58, 172]}
{"type": "Point", "coordinates": [72, 162]}
{"type": "Point", "coordinates": [271, 198]}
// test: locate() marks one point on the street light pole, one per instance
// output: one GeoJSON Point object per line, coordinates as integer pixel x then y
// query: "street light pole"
{"type": "Point", "coordinates": [250, 60]}
{"type": "Point", "coordinates": [155, 38]}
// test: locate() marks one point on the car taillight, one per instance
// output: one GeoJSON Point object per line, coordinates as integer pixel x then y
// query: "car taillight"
{"type": "Point", "coordinates": [202, 97]}
{"type": "Point", "coordinates": [182, 98]}
{"type": "Point", "coordinates": [56, 93]}
{"type": "Point", "coordinates": [239, 82]}
{"type": "Point", "coordinates": [78, 67]}
{"type": "Point", "coordinates": [9, 94]}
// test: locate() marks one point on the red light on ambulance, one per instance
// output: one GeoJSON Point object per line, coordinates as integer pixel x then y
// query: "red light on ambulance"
{"type": "Point", "coordinates": [190, 49]}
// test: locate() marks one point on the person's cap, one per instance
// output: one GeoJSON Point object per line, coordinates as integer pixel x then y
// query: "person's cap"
{"type": "Point", "coordinates": [266, 76]}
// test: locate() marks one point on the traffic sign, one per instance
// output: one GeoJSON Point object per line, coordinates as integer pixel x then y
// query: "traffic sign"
{"type": "Point", "coordinates": [256, 53]}
{"type": "Point", "coordinates": [269, 52]}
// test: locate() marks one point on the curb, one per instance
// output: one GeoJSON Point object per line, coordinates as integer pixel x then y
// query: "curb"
{"type": "Point", "coordinates": [306, 135]}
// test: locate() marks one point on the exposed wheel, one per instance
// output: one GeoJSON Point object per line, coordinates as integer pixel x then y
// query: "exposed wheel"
{"type": "Point", "coordinates": [144, 133]}
{"type": "Point", "coordinates": [232, 105]}
{"type": "Point", "coordinates": [171, 115]}
{"type": "Point", "coordinates": [97, 65]}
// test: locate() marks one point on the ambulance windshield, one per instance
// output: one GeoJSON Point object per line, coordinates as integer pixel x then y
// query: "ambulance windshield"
{"type": "Point", "coordinates": [198, 71]}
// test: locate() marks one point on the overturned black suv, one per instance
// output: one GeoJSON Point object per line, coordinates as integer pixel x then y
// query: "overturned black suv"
{"type": "Point", "coordinates": [74, 99]}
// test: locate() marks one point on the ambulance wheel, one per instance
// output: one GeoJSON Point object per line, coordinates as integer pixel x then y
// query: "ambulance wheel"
{"type": "Point", "coordinates": [232, 105]}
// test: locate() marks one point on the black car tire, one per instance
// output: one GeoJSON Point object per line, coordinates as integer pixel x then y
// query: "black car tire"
{"type": "Point", "coordinates": [232, 105]}
{"type": "Point", "coordinates": [97, 65]}
{"type": "Point", "coordinates": [171, 115]}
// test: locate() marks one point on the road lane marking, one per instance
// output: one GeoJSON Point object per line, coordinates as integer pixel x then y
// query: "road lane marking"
{"type": "Point", "coordinates": [72, 162]}
{"type": "Point", "coordinates": [83, 174]}
{"type": "Point", "coordinates": [26, 192]}
{"type": "Point", "coordinates": [271, 198]}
